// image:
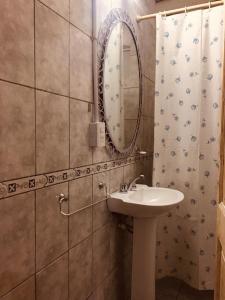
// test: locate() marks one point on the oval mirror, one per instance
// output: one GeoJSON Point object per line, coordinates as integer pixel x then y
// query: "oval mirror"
{"type": "Point", "coordinates": [121, 87]}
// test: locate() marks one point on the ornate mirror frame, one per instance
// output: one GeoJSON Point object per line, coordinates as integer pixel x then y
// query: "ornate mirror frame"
{"type": "Point", "coordinates": [113, 18]}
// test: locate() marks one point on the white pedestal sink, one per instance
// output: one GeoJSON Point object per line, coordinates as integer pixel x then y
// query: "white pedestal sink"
{"type": "Point", "coordinates": [144, 204]}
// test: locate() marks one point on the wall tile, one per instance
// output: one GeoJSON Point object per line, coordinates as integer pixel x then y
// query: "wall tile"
{"type": "Point", "coordinates": [51, 226]}
{"type": "Point", "coordinates": [115, 286]}
{"type": "Point", "coordinates": [81, 15]}
{"type": "Point", "coordinates": [115, 179]}
{"type": "Point", "coordinates": [17, 36]}
{"type": "Point", "coordinates": [138, 143]}
{"type": "Point", "coordinates": [80, 118]}
{"type": "Point", "coordinates": [80, 65]}
{"type": "Point", "coordinates": [101, 215]}
{"type": "Point", "coordinates": [101, 155]}
{"type": "Point", "coordinates": [148, 166]}
{"type": "Point", "coordinates": [120, 241]}
{"type": "Point", "coordinates": [100, 194]}
{"type": "Point", "coordinates": [24, 291]}
{"type": "Point", "coordinates": [52, 282]}
{"type": "Point", "coordinates": [148, 134]}
{"type": "Point", "coordinates": [80, 193]}
{"type": "Point", "coordinates": [129, 173]}
{"type": "Point", "coordinates": [17, 240]}
{"type": "Point", "coordinates": [140, 167]}
{"type": "Point", "coordinates": [17, 151]}
{"type": "Point", "coordinates": [52, 132]}
{"type": "Point", "coordinates": [80, 226]}
{"type": "Point", "coordinates": [148, 98]}
{"type": "Point", "coordinates": [52, 51]}
{"type": "Point", "coordinates": [80, 271]}
{"type": "Point", "coordinates": [149, 48]}
{"type": "Point", "coordinates": [59, 6]}
{"type": "Point", "coordinates": [101, 254]}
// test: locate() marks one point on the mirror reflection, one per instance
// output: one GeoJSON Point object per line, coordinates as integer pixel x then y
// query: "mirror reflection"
{"type": "Point", "coordinates": [121, 86]}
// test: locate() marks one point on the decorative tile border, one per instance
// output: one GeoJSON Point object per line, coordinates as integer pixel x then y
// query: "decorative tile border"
{"type": "Point", "coordinates": [31, 183]}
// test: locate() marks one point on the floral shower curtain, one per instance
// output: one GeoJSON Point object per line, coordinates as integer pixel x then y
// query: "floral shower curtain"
{"type": "Point", "coordinates": [186, 150]}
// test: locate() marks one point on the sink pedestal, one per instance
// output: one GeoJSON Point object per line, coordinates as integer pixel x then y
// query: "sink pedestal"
{"type": "Point", "coordinates": [143, 264]}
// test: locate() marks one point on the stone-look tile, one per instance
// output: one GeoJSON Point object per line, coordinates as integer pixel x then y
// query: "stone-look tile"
{"type": "Point", "coordinates": [17, 242]}
{"type": "Point", "coordinates": [100, 193]}
{"type": "Point", "coordinates": [120, 241]}
{"type": "Point", "coordinates": [80, 226]}
{"type": "Point", "coordinates": [148, 134]}
{"type": "Point", "coordinates": [17, 40]}
{"type": "Point", "coordinates": [130, 173]}
{"type": "Point", "coordinates": [148, 98]}
{"type": "Point", "coordinates": [115, 179]}
{"type": "Point", "coordinates": [101, 155]}
{"type": "Point", "coordinates": [52, 132]}
{"type": "Point", "coordinates": [140, 167]}
{"type": "Point", "coordinates": [101, 254]}
{"type": "Point", "coordinates": [80, 271]}
{"type": "Point", "coordinates": [113, 287]}
{"type": "Point", "coordinates": [24, 291]}
{"type": "Point", "coordinates": [81, 15]}
{"type": "Point", "coordinates": [148, 167]}
{"type": "Point", "coordinates": [138, 143]}
{"type": "Point", "coordinates": [52, 282]}
{"type": "Point", "coordinates": [101, 215]}
{"type": "Point", "coordinates": [149, 48]}
{"type": "Point", "coordinates": [51, 226]}
{"type": "Point", "coordinates": [17, 151]}
{"type": "Point", "coordinates": [59, 6]}
{"type": "Point", "coordinates": [52, 51]}
{"type": "Point", "coordinates": [80, 118]}
{"type": "Point", "coordinates": [80, 65]}
{"type": "Point", "coordinates": [80, 193]}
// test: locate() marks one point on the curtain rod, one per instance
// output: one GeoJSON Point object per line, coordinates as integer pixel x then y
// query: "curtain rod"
{"type": "Point", "coordinates": [181, 10]}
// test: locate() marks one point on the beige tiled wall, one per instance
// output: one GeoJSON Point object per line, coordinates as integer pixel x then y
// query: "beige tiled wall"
{"type": "Point", "coordinates": [46, 105]}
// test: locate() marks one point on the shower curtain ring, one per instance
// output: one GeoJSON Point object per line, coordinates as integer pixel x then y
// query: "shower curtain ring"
{"type": "Point", "coordinates": [209, 4]}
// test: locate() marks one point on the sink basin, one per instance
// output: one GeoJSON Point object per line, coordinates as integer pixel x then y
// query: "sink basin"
{"type": "Point", "coordinates": [145, 204]}
{"type": "Point", "coordinates": [145, 201]}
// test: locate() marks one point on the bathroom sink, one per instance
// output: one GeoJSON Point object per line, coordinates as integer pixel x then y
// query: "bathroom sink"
{"type": "Point", "coordinates": [145, 201]}
{"type": "Point", "coordinates": [145, 204]}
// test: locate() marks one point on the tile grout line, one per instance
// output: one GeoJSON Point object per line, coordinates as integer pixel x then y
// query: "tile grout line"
{"type": "Point", "coordinates": [68, 184]}
{"type": "Point", "coordinates": [16, 286]}
{"type": "Point", "coordinates": [58, 14]}
{"type": "Point", "coordinates": [47, 91]}
{"type": "Point", "coordinates": [35, 153]}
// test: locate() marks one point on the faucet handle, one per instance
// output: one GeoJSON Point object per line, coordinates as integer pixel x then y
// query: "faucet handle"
{"type": "Point", "coordinates": [124, 188]}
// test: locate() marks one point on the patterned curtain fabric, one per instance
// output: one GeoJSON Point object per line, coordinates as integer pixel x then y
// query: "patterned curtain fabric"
{"type": "Point", "coordinates": [186, 149]}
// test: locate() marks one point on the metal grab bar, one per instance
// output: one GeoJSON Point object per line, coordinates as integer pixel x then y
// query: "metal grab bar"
{"type": "Point", "coordinates": [62, 198]}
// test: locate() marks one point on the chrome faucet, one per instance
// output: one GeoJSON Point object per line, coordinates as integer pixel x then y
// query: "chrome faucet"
{"type": "Point", "coordinates": [132, 185]}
